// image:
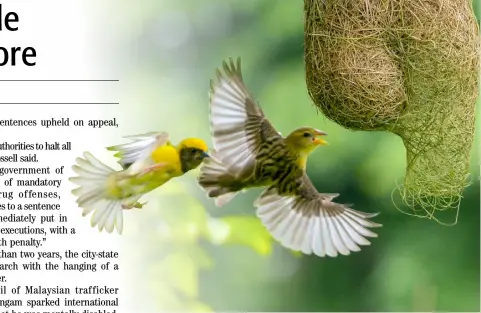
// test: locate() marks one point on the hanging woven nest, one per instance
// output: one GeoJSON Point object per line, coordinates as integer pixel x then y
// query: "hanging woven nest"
{"type": "Point", "coordinates": [409, 67]}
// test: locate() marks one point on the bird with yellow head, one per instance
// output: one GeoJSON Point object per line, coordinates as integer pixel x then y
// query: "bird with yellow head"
{"type": "Point", "coordinates": [249, 152]}
{"type": "Point", "coordinates": [148, 161]}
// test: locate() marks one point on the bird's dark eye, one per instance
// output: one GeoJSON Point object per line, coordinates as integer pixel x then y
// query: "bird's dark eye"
{"type": "Point", "coordinates": [193, 152]}
{"type": "Point", "coordinates": [307, 134]}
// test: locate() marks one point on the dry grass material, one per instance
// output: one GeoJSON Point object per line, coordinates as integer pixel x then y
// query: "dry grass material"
{"type": "Point", "coordinates": [409, 67]}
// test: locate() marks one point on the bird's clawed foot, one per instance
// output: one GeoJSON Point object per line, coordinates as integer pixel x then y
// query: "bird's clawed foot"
{"type": "Point", "coordinates": [137, 205]}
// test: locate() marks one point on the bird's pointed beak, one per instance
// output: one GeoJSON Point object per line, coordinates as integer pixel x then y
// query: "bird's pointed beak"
{"type": "Point", "coordinates": [205, 155]}
{"type": "Point", "coordinates": [319, 141]}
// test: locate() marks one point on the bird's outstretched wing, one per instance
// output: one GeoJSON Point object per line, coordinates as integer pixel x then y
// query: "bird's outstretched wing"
{"type": "Point", "coordinates": [238, 125]}
{"type": "Point", "coordinates": [310, 222]}
{"type": "Point", "coordinates": [136, 155]}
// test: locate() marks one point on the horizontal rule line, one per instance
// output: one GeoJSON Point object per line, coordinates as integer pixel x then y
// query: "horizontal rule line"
{"type": "Point", "coordinates": [59, 80]}
{"type": "Point", "coordinates": [59, 102]}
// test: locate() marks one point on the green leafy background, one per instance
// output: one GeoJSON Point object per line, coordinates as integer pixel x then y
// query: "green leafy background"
{"type": "Point", "coordinates": [186, 254]}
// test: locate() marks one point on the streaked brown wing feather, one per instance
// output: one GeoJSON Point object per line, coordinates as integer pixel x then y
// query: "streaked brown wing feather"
{"type": "Point", "coordinates": [308, 221]}
{"type": "Point", "coordinates": [238, 124]}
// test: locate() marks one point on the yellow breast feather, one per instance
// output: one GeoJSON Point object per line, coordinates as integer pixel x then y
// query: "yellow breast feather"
{"type": "Point", "coordinates": [167, 154]}
{"type": "Point", "coordinates": [302, 162]}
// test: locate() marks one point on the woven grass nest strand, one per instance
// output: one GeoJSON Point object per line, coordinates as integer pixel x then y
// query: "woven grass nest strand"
{"type": "Point", "coordinates": [409, 67]}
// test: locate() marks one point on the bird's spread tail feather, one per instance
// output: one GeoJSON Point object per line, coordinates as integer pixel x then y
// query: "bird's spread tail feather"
{"type": "Point", "coordinates": [216, 180]}
{"type": "Point", "coordinates": [93, 181]}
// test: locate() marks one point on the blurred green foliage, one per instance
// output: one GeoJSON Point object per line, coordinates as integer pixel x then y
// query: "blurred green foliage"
{"type": "Point", "coordinates": [193, 256]}
{"type": "Point", "coordinates": [177, 228]}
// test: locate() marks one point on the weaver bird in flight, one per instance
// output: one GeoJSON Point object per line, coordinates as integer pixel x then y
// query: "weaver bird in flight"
{"type": "Point", "coordinates": [249, 152]}
{"type": "Point", "coordinates": [149, 161]}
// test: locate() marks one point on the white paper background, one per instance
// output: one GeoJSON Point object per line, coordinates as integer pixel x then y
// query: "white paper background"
{"type": "Point", "coordinates": [70, 44]}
